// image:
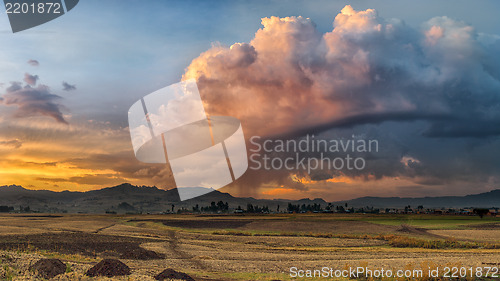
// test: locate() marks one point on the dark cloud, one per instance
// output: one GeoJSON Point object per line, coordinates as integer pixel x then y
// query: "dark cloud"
{"type": "Point", "coordinates": [30, 79]}
{"type": "Point", "coordinates": [32, 101]}
{"type": "Point", "coordinates": [68, 87]}
{"type": "Point", "coordinates": [464, 129]}
{"type": "Point", "coordinates": [28, 164]}
{"type": "Point", "coordinates": [51, 179]}
{"type": "Point", "coordinates": [99, 180]}
{"type": "Point", "coordinates": [126, 167]}
{"type": "Point", "coordinates": [33, 62]}
{"type": "Point", "coordinates": [374, 118]}
{"type": "Point", "coordinates": [11, 143]}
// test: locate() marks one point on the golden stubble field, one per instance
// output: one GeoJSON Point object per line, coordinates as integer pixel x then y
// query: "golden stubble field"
{"type": "Point", "coordinates": [253, 247]}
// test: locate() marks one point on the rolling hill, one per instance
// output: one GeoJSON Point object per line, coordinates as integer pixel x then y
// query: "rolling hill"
{"type": "Point", "coordinates": [129, 198]}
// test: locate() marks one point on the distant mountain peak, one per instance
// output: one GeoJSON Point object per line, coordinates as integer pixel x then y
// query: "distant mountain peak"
{"type": "Point", "coordinates": [12, 187]}
{"type": "Point", "coordinates": [129, 186]}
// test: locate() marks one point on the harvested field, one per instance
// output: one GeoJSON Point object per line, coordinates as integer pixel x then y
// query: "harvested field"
{"type": "Point", "coordinates": [237, 247]}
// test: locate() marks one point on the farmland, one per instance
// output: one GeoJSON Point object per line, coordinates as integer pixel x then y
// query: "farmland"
{"type": "Point", "coordinates": [245, 247]}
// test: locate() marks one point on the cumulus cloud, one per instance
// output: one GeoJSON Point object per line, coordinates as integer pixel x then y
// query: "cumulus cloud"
{"type": "Point", "coordinates": [33, 101]}
{"type": "Point", "coordinates": [367, 68]}
{"type": "Point", "coordinates": [290, 80]}
{"type": "Point", "coordinates": [33, 62]}
{"type": "Point", "coordinates": [68, 87]}
{"type": "Point", "coordinates": [30, 79]}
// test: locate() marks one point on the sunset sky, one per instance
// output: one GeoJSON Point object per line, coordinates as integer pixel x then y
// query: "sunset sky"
{"type": "Point", "coordinates": [421, 78]}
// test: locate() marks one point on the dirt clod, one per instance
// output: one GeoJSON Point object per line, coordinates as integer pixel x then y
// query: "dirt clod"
{"type": "Point", "coordinates": [172, 274]}
{"type": "Point", "coordinates": [141, 254]}
{"type": "Point", "coordinates": [109, 268]}
{"type": "Point", "coordinates": [48, 268]}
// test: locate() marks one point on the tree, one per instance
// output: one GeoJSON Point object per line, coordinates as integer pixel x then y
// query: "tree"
{"type": "Point", "coordinates": [481, 212]}
{"type": "Point", "coordinates": [196, 208]}
{"type": "Point", "coordinates": [250, 208]}
{"type": "Point", "coordinates": [293, 208]}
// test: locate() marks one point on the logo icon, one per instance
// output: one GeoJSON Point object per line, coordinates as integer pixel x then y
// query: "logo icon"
{"type": "Point", "coordinates": [204, 152]}
{"type": "Point", "coordinates": [30, 13]}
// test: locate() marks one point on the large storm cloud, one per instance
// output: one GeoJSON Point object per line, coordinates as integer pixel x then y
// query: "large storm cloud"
{"type": "Point", "coordinates": [368, 75]}
{"type": "Point", "coordinates": [367, 69]}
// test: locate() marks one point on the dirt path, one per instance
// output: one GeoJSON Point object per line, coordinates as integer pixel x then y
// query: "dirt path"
{"type": "Point", "coordinates": [104, 228]}
{"type": "Point", "coordinates": [173, 246]}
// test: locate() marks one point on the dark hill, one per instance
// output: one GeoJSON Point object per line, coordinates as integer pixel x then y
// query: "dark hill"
{"type": "Point", "coordinates": [485, 200]}
{"type": "Point", "coordinates": [151, 199]}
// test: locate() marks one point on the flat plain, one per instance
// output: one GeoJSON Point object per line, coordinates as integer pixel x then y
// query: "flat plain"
{"type": "Point", "coordinates": [246, 247]}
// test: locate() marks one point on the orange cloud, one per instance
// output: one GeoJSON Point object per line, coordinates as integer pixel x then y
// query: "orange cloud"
{"type": "Point", "coordinates": [336, 179]}
{"type": "Point", "coordinates": [340, 179]}
{"type": "Point", "coordinates": [297, 78]}
{"type": "Point", "coordinates": [434, 34]}
{"type": "Point", "coordinates": [279, 191]}
{"type": "Point", "coordinates": [39, 153]}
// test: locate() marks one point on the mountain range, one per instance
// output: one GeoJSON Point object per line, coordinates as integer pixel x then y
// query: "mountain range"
{"type": "Point", "coordinates": [129, 198]}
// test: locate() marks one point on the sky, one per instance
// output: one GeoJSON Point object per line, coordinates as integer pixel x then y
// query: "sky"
{"type": "Point", "coordinates": [423, 79]}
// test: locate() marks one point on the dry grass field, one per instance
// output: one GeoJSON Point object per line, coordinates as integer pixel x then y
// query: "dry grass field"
{"type": "Point", "coordinates": [253, 247]}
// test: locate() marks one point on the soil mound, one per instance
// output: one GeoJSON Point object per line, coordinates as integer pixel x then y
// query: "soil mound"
{"type": "Point", "coordinates": [48, 268]}
{"type": "Point", "coordinates": [168, 274]}
{"type": "Point", "coordinates": [141, 254]}
{"type": "Point", "coordinates": [109, 268]}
